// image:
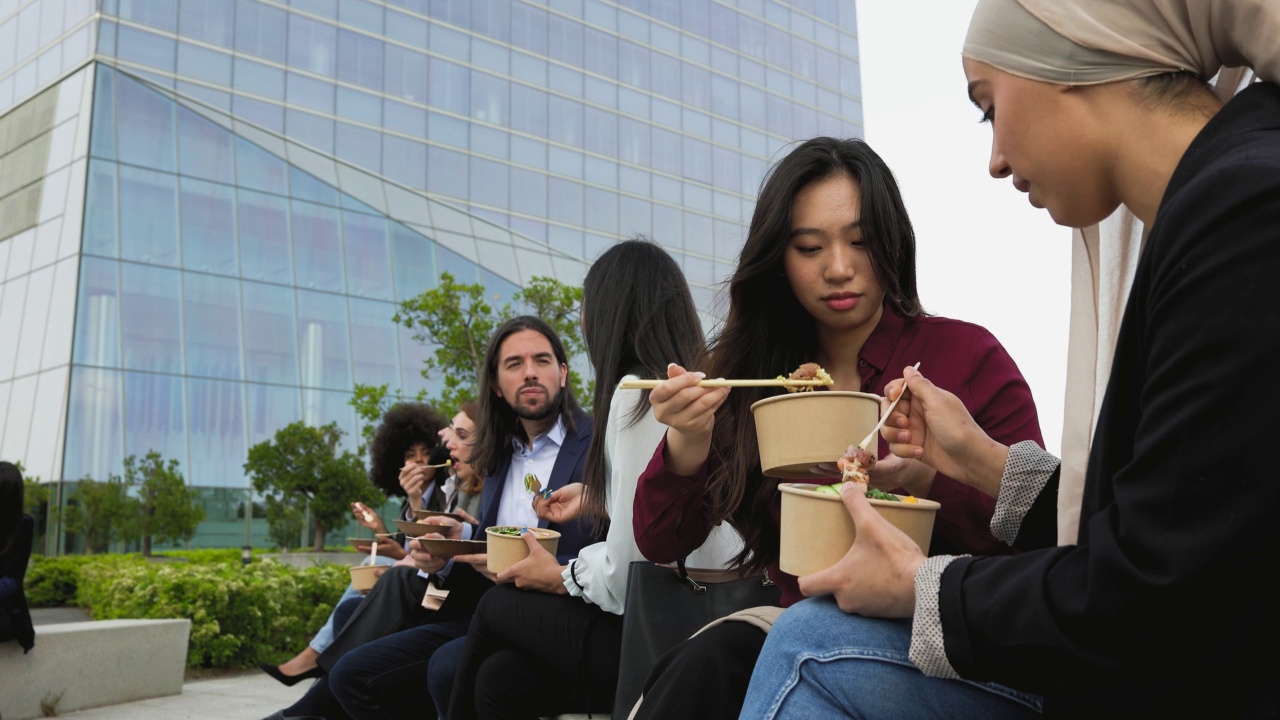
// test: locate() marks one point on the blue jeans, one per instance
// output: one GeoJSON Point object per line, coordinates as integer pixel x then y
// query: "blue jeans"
{"type": "Point", "coordinates": [324, 638]}
{"type": "Point", "coordinates": [820, 662]}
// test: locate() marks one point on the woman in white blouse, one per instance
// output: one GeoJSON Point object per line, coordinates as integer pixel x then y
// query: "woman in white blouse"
{"type": "Point", "coordinates": [548, 640]}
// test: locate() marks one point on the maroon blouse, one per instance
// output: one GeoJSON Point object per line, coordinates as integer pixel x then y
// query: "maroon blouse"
{"type": "Point", "coordinates": [671, 518]}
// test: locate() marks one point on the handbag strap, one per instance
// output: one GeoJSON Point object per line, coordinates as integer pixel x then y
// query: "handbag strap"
{"type": "Point", "coordinates": [765, 580]}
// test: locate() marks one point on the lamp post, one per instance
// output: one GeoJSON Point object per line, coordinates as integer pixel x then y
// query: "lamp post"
{"type": "Point", "coordinates": [246, 552]}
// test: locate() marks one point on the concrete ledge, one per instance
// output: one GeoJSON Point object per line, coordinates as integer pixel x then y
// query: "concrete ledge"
{"type": "Point", "coordinates": [81, 665]}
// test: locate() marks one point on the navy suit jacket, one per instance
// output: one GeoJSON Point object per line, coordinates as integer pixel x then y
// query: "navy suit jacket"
{"type": "Point", "coordinates": [568, 469]}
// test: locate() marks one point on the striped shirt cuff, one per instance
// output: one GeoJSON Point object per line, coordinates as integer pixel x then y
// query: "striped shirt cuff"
{"type": "Point", "coordinates": [1026, 471]}
{"type": "Point", "coordinates": [928, 650]}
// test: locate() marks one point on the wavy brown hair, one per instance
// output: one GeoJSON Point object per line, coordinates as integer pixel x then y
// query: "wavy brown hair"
{"type": "Point", "coordinates": [768, 332]}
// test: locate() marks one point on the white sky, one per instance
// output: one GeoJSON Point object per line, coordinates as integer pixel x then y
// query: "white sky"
{"type": "Point", "coordinates": [984, 255]}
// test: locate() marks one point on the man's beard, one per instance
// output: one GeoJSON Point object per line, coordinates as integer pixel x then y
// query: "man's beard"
{"type": "Point", "coordinates": [542, 412]}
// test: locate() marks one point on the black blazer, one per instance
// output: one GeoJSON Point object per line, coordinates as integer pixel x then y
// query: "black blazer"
{"type": "Point", "coordinates": [15, 618]}
{"type": "Point", "coordinates": [1167, 605]}
{"type": "Point", "coordinates": [568, 469]}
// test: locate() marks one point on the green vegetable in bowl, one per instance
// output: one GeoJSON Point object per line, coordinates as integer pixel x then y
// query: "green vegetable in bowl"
{"type": "Point", "coordinates": [509, 531]}
{"type": "Point", "coordinates": [872, 493]}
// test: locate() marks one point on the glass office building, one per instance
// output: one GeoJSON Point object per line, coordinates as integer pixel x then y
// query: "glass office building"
{"type": "Point", "coordinates": [209, 208]}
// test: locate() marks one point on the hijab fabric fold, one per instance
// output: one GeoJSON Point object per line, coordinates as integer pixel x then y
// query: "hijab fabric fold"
{"type": "Point", "coordinates": [1228, 43]}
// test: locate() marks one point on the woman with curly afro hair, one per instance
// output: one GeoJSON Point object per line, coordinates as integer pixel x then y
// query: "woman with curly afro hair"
{"type": "Point", "coordinates": [407, 458]}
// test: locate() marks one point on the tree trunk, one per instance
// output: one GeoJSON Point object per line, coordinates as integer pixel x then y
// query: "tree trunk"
{"type": "Point", "coordinates": [146, 546]}
{"type": "Point", "coordinates": [318, 545]}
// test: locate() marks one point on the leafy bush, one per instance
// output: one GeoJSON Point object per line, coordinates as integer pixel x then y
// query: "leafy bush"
{"type": "Point", "coordinates": [240, 616]}
{"type": "Point", "coordinates": [53, 581]}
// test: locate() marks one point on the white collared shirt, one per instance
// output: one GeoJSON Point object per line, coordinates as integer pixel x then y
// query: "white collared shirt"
{"type": "Point", "coordinates": [516, 504]}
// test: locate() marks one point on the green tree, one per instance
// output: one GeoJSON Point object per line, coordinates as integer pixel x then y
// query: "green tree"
{"type": "Point", "coordinates": [304, 468]}
{"type": "Point", "coordinates": [161, 506]}
{"type": "Point", "coordinates": [34, 493]}
{"type": "Point", "coordinates": [457, 319]}
{"type": "Point", "coordinates": [97, 510]}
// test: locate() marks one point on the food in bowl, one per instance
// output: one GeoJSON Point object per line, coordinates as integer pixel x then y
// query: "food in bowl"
{"type": "Point", "coordinates": [506, 545]}
{"type": "Point", "coordinates": [816, 530]}
{"type": "Point", "coordinates": [808, 371]}
{"type": "Point", "coordinates": [418, 529]}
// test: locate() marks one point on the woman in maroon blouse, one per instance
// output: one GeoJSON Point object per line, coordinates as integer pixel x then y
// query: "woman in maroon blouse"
{"type": "Point", "coordinates": [827, 275]}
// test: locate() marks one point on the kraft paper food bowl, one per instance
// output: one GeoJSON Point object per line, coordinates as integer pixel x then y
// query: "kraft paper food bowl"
{"type": "Point", "coordinates": [797, 431]}
{"type": "Point", "coordinates": [816, 530]}
{"type": "Point", "coordinates": [507, 550]}
{"type": "Point", "coordinates": [418, 529]}
{"type": "Point", "coordinates": [363, 577]}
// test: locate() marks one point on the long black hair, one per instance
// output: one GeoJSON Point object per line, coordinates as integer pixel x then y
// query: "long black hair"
{"type": "Point", "coordinates": [403, 426]}
{"type": "Point", "coordinates": [637, 316]}
{"type": "Point", "coordinates": [11, 506]}
{"type": "Point", "coordinates": [498, 421]}
{"type": "Point", "coordinates": [768, 332]}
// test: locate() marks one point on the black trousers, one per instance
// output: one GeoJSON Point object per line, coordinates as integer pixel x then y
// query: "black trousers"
{"type": "Point", "coordinates": [704, 677]}
{"type": "Point", "coordinates": [394, 604]}
{"type": "Point", "coordinates": [530, 654]}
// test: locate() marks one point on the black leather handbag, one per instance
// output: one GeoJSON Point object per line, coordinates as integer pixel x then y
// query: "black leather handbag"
{"type": "Point", "coordinates": [665, 605]}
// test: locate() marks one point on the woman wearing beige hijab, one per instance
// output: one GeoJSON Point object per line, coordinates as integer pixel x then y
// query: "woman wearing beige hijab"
{"type": "Point", "coordinates": [1164, 604]}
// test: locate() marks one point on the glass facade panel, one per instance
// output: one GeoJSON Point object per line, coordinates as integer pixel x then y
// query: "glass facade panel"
{"type": "Point", "coordinates": [265, 237]}
{"type": "Point", "coordinates": [101, 216]}
{"type": "Point", "coordinates": [323, 349]}
{"type": "Point", "coordinates": [151, 316]}
{"type": "Point", "coordinates": [155, 416]}
{"type": "Point", "coordinates": [414, 265]}
{"type": "Point", "coordinates": [270, 334]}
{"type": "Point", "coordinates": [368, 256]}
{"type": "Point", "coordinates": [97, 331]}
{"type": "Point", "coordinates": [95, 423]}
{"type": "Point", "coordinates": [270, 407]}
{"type": "Point", "coordinates": [148, 216]}
{"type": "Point", "coordinates": [217, 432]}
{"type": "Point", "coordinates": [317, 244]}
{"type": "Point", "coordinates": [212, 314]}
{"type": "Point", "coordinates": [373, 342]}
{"type": "Point", "coordinates": [208, 228]}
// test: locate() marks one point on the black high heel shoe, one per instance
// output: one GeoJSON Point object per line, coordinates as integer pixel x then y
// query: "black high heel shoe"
{"type": "Point", "coordinates": [289, 680]}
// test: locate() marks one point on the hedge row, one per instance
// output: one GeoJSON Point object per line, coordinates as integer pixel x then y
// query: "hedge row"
{"type": "Point", "coordinates": [240, 615]}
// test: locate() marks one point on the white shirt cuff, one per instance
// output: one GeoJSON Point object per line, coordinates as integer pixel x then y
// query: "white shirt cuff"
{"type": "Point", "coordinates": [1026, 471]}
{"type": "Point", "coordinates": [928, 649]}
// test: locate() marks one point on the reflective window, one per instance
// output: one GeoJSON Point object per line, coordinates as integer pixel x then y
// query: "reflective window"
{"type": "Point", "coordinates": [666, 151]}
{"type": "Point", "coordinates": [270, 334]}
{"type": "Point", "coordinates": [602, 210]}
{"type": "Point", "coordinates": [360, 146]}
{"type": "Point", "coordinates": [100, 212]}
{"type": "Point", "coordinates": [405, 74]}
{"type": "Point", "coordinates": [207, 20]}
{"type": "Point", "coordinates": [415, 266]}
{"type": "Point", "coordinates": [148, 216]}
{"type": "Point", "coordinates": [151, 318]}
{"type": "Point", "coordinates": [317, 243]}
{"type": "Point", "coordinates": [323, 352]}
{"type": "Point", "coordinates": [404, 161]}
{"type": "Point", "coordinates": [271, 407]}
{"type": "Point", "coordinates": [360, 59]}
{"type": "Point", "coordinates": [147, 132]}
{"type": "Point", "coordinates": [412, 355]}
{"type": "Point", "coordinates": [634, 217]}
{"type": "Point", "coordinates": [311, 45]}
{"type": "Point", "coordinates": [157, 13]}
{"type": "Point", "coordinates": [450, 42]}
{"type": "Point", "coordinates": [212, 315]}
{"type": "Point", "coordinates": [489, 182]}
{"type": "Point", "coordinates": [600, 53]}
{"type": "Point", "coordinates": [752, 106]}
{"type": "Point", "coordinates": [373, 342]}
{"type": "Point", "coordinates": [634, 141]}
{"type": "Point", "coordinates": [565, 162]}
{"type": "Point", "coordinates": [204, 64]}
{"type": "Point", "coordinates": [323, 8]}
{"type": "Point", "coordinates": [565, 40]}
{"type": "Point", "coordinates": [488, 98]}
{"type": "Point", "coordinates": [209, 228]}
{"type": "Point", "coordinates": [726, 170]}
{"type": "Point", "coordinates": [254, 77]}
{"type": "Point", "coordinates": [447, 171]}
{"type": "Point", "coordinates": [97, 327]}
{"type": "Point", "coordinates": [216, 414]}
{"type": "Point", "coordinates": [368, 255]}
{"type": "Point", "coordinates": [204, 149]}
{"type": "Point", "coordinates": [361, 106]}
{"type": "Point", "coordinates": [601, 132]}
{"type": "Point", "coordinates": [320, 407]}
{"type": "Point", "coordinates": [724, 25]}
{"type": "Point", "coordinates": [633, 64]}
{"type": "Point", "coordinates": [307, 187]}
{"type": "Point", "coordinates": [525, 151]}
{"type": "Point", "coordinates": [155, 416]}
{"type": "Point", "coordinates": [403, 118]}
{"type": "Point", "coordinates": [258, 169]}
{"type": "Point", "coordinates": [406, 28]}
{"type": "Point", "coordinates": [529, 28]}
{"type": "Point", "coordinates": [260, 30]}
{"type": "Point", "coordinates": [146, 48]}
{"type": "Point", "coordinates": [264, 237]}
{"type": "Point", "coordinates": [95, 421]}
{"type": "Point", "coordinates": [449, 86]}
{"type": "Point", "coordinates": [309, 92]}
{"type": "Point", "coordinates": [696, 160]}
{"type": "Point", "coordinates": [362, 14]}
{"type": "Point", "coordinates": [528, 110]}
{"type": "Point", "coordinates": [566, 121]}
{"type": "Point", "coordinates": [565, 201]}
{"type": "Point", "coordinates": [529, 192]}
{"type": "Point", "coordinates": [103, 137]}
